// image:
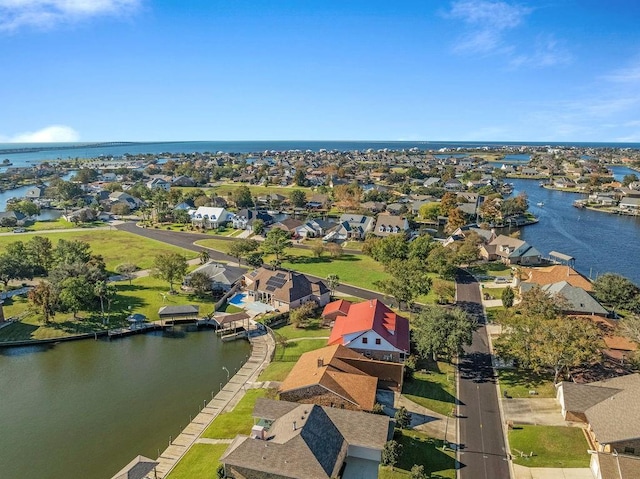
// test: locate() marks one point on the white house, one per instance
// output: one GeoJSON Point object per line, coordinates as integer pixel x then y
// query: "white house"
{"type": "Point", "coordinates": [208, 217]}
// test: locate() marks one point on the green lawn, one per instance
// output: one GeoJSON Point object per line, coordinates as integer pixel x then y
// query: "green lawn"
{"type": "Point", "coordinates": [434, 389]}
{"type": "Point", "coordinates": [495, 292]}
{"type": "Point", "coordinates": [201, 462]}
{"type": "Point", "coordinates": [490, 269]}
{"type": "Point", "coordinates": [225, 188]}
{"type": "Point", "coordinates": [292, 351]}
{"type": "Point", "coordinates": [229, 308]}
{"type": "Point", "coordinates": [314, 330]}
{"type": "Point", "coordinates": [492, 313]}
{"type": "Point", "coordinates": [519, 382]}
{"type": "Point", "coordinates": [552, 446]}
{"type": "Point", "coordinates": [276, 371]}
{"type": "Point", "coordinates": [116, 247]}
{"type": "Point", "coordinates": [239, 421]}
{"type": "Point", "coordinates": [420, 449]}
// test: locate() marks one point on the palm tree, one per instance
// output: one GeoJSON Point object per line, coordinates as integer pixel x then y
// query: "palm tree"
{"type": "Point", "coordinates": [204, 256]}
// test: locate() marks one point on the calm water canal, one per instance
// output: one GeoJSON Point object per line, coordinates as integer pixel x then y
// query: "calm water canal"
{"type": "Point", "coordinates": [84, 409]}
{"type": "Point", "coordinates": [600, 242]}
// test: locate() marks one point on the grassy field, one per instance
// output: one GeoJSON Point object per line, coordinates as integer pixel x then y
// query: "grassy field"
{"type": "Point", "coordinates": [420, 449]}
{"type": "Point", "coordinates": [552, 446]}
{"type": "Point", "coordinates": [290, 352]}
{"type": "Point", "coordinates": [239, 421]}
{"type": "Point", "coordinates": [276, 371]}
{"type": "Point", "coordinates": [492, 313]}
{"type": "Point", "coordinates": [116, 247]}
{"type": "Point", "coordinates": [201, 462]}
{"type": "Point", "coordinates": [490, 269]}
{"type": "Point", "coordinates": [434, 389]}
{"type": "Point", "coordinates": [314, 330]}
{"type": "Point", "coordinates": [518, 383]}
{"type": "Point", "coordinates": [59, 224]}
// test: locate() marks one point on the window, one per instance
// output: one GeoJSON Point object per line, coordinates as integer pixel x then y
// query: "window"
{"type": "Point", "coordinates": [365, 340]}
{"type": "Point", "coordinates": [378, 341]}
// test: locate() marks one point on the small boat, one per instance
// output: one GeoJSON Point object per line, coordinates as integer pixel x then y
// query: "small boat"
{"type": "Point", "coordinates": [540, 203]}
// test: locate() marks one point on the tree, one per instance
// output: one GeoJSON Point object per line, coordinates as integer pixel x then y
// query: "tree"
{"type": "Point", "coordinates": [26, 207]}
{"type": "Point", "coordinates": [258, 227]}
{"type": "Point", "coordinates": [430, 211]}
{"type": "Point", "coordinates": [14, 267]}
{"type": "Point", "coordinates": [614, 289]}
{"type": "Point", "coordinates": [298, 198]}
{"type": "Point", "coordinates": [242, 247]}
{"type": "Point", "coordinates": [628, 179]}
{"type": "Point", "coordinates": [44, 298]}
{"type": "Point", "coordinates": [333, 282]}
{"type": "Point", "coordinates": [39, 251]}
{"type": "Point", "coordinates": [75, 294]}
{"type": "Point", "coordinates": [440, 332]}
{"type": "Point", "coordinates": [445, 291]}
{"type": "Point", "coordinates": [299, 316]}
{"type": "Point", "coordinates": [391, 453]}
{"type": "Point", "coordinates": [630, 327]}
{"type": "Point", "coordinates": [507, 297]}
{"type": "Point", "coordinates": [402, 418]}
{"type": "Point", "coordinates": [455, 220]}
{"type": "Point", "coordinates": [200, 282]}
{"type": "Point", "coordinates": [104, 291]}
{"type": "Point", "coordinates": [448, 202]}
{"type": "Point", "coordinates": [275, 243]}
{"type": "Point", "coordinates": [334, 249]}
{"type": "Point", "coordinates": [442, 261]}
{"type": "Point", "coordinates": [318, 250]}
{"type": "Point", "coordinates": [242, 197]}
{"type": "Point", "coordinates": [204, 256]}
{"type": "Point", "coordinates": [390, 248]}
{"type": "Point", "coordinates": [417, 472]}
{"type": "Point", "coordinates": [408, 280]}
{"type": "Point", "coordinates": [69, 252]}
{"type": "Point", "coordinates": [126, 270]}
{"type": "Point", "coordinates": [255, 259]}
{"type": "Point", "coordinates": [85, 176]}
{"type": "Point", "coordinates": [300, 178]}
{"type": "Point", "coordinates": [169, 267]}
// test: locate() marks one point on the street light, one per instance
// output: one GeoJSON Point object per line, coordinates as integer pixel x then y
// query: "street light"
{"type": "Point", "coordinates": [224, 367]}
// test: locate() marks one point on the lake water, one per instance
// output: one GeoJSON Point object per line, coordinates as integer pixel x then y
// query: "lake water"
{"type": "Point", "coordinates": [600, 242]}
{"type": "Point", "coordinates": [84, 409]}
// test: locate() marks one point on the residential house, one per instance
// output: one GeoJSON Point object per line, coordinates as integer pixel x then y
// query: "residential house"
{"type": "Point", "coordinates": [614, 465]}
{"type": "Point", "coordinates": [319, 201]}
{"type": "Point", "coordinates": [158, 183]}
{"type": "Point", "coordinates": [461, 233]}
{"type": "Point", "coordinates": [334, 309]}
{"type": "Point", "coordinates": [611, 410]}
{"type": "Point", "coordinates": [453, 185]}
{"type": "Point", "coordinates": [577, 300]}
{"type": "Point", "coordinates": [285, 290]}
{"type": "Point", "coordinates": [510, 251]}
{"type": "Point", "coordinates": [302, 441]}
{"type": "Point", "coordinates": [208, 217]}
{"type": "Point", "coordinates": [289, 225]}
{"type": "Point", "coordinates": [431, 181]}
{"type": "Point", "coordinates": [630, 204]}
{"type": "Point", "coordinates": [373, 206]}
{"type": "Point", "coordinates": [390, 224]}
{"type": "Point", "coordinates": [374, 330]}
{"type": "Point", "coordinates": [553, 274]}
{"type": "Point", "coordinates": [35, 192]}
{"type": "Point", "coordinates": [350, 227]}
{"type": "Point", "coordinates": [12, 218]}
{"type": "Point", "coordinates": [337, 376]}
{"type": "Point", "coordinates": [183, 180]}
{"type": "Point", "coordinates": [314, 228]}
{"type": "Point", "coordinates": [245, 218]}
{"type": "Point", "coordinates": [121, 197]}
{"type": "Point", "coordinates": [222, 276]}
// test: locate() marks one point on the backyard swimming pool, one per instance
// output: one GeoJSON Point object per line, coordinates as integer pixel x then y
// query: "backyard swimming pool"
{"type": "Point", "coordinates": [240, 300]}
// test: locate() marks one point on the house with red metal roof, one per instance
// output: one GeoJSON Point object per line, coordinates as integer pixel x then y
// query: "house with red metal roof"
{"type": "Point", "coordinates": [372, 329]}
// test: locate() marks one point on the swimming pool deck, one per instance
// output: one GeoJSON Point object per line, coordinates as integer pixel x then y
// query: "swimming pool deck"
{"type": "Point", "coordinates": [262, 348]}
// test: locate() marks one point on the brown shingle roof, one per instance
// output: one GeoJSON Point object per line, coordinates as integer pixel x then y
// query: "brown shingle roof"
{"type": "Point", "coordinates": [555, 274]}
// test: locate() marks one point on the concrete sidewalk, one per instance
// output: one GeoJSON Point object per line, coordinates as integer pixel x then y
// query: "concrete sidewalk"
{"type": "Point", "coordinates": [522, 472]}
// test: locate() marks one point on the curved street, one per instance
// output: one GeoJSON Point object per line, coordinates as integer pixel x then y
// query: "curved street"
{"type": "Point", "coordinates": [187, 240]}
{"type": "Point", "coordinates": [482, 453]}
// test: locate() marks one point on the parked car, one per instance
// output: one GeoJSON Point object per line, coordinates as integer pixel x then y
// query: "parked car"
{"type": "Point", "coordinates": [19, 230]}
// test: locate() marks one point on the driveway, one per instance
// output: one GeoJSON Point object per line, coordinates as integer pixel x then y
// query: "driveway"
{"type": "Point", "coordinates": [522, 472]}
{"type": "Point", "coordinates": [538, 411]}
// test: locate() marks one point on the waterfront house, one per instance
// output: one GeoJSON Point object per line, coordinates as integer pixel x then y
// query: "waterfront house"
{"type": "Point", "coordinates": [337, 376]}
{"type": "Point", "coordinates": [284, 290]}
{"type": "Point", "coordinates": [576, 300]}
{"type": "Point", "coordinates": [554, 274]}
{"type": "Point", "coordinates": [371, 328]}
{"type": "Point", "coordinates": [630, 204]}
{"type": "Point", "coordinates": [158, 183]}
{"type": "Point", "coordinates": [245, 218]}
{"type": "Point", "coordinates": [222, 276]}
{"type": "Point", "coordinates": [302, 441]}
{"type": "Point", "coordinates": [611, 410]}
{"type": "Point", "coordinates": [510, 251]}
{"type": "Point", "coordinates": [288, 225]}
{"type": "Point", "coordinates": [208, 217]}
{"type": "Point", "coordinates": [35, 192]}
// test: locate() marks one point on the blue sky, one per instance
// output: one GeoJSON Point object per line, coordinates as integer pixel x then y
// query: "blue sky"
{"type": "Point", "coordinates": [147, 70]}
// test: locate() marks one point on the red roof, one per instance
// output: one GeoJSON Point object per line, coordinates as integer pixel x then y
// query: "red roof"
{"type": "Point", "coordinates": [337, 306]}
{"type": "Point", "coordinates": [372, 315]}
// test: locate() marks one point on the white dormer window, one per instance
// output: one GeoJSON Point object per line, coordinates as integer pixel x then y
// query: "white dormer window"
{"type": "Point", "coordinates": [381, 228]}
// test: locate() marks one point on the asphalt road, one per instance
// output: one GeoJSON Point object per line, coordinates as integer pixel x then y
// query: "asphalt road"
{"type": "Point", "coordinates": [187, 240]}
{"type": "Point", "coordinates": [482, 452]}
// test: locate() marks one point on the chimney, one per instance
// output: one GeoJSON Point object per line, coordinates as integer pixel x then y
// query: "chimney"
{"type": "Point", "coordinates": [320, 362]}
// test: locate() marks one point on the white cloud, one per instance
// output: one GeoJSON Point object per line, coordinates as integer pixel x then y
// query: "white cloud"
{"type": "Point", "coordinates": [547, 52]}
{"type": "Point", "coordinates": [16, 14]}
{"type": "Point", "coordinates": [49, 134]}
{"type": "Point", "coordinates": [625, 75]}
{"type": "Point", "coordinates": [487, 21]}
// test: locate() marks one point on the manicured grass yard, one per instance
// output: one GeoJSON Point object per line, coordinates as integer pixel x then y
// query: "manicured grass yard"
{"type": "Point", "coordinates": [201, 462]}
{"type": "Point", "coordinates": [314, 330]}
{"type": "Point", "coordinates": [116, 247]}
{"type": "Point", "coordinates": [490, 269]}
{"type": "Point", "coordinates": [519, 382]}
{"type": "Point", "coordinates": [552, 446]}
{"type": "Point", "coordinates": [239, 421]}
{"type": "Point", "coordinates": [293, 350]}
{"type": "Point", "coordinates": [420, 449]}
{"type": "Point", "coordinates": [434, 389]}
{"type": "Point", "coordinates": [492, 313]}
{"type": "Point", "coordinates": [276, 371]}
